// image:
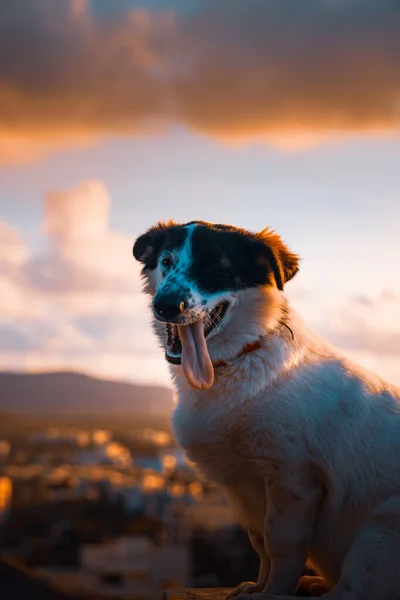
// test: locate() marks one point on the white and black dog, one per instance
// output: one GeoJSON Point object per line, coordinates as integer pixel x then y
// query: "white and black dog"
{"type": "Point", "coordinates": [305, 443]}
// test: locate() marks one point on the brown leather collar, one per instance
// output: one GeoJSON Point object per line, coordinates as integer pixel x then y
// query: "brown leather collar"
{"type": "Point", "coordinates": [250, 347]}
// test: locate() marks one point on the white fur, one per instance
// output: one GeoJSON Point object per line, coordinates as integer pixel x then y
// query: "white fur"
{"type": "Point", "coordinates": [306, 445]}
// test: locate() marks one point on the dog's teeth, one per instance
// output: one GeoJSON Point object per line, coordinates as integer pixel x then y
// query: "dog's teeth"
{"type": "Point", "coordinates": [169, 334]}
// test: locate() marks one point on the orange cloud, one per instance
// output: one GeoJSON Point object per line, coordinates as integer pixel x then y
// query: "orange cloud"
{"type": "Point", "coordinates": [83, 79]}
{"type": "Point", "coordinates": [272, 71]}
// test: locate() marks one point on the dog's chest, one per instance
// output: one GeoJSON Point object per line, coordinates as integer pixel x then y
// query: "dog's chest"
{"type": "Point", "coordinates": [216, 437]}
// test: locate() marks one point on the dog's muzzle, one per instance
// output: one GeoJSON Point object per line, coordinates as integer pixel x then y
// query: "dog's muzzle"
{"type": "Point", "coordinates": [169, 307]}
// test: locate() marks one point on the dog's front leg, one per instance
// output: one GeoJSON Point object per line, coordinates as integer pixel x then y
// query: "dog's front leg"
{"type": "Point", "coordinates": [248, 587]}
{"type": "Point", "coordinates": [289, 527]}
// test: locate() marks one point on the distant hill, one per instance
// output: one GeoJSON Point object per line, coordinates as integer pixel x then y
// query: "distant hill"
{"type": "Point", "coordinates": [75, 393]}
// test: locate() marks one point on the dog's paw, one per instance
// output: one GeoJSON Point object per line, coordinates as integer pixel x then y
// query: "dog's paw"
{"type": "Point", "coordinates": [311, 586]}
{"type": "Point", "coordinates": [248, 587]}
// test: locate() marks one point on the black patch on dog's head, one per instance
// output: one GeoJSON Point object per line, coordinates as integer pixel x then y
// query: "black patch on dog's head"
{"type": "Point", "coordinates": [226, 257]}
{"type": "Point", "coordinates": [163, 236]}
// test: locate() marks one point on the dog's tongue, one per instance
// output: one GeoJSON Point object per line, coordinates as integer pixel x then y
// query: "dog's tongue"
{"type": "Point", "coordinates": [196, 362]}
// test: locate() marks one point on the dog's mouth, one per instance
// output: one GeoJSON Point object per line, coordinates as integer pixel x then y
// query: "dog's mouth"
{"type": "Point", "coordinates": [187, 346]}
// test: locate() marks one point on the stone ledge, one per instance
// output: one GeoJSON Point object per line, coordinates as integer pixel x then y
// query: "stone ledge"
{"type": "Point", "coordinates": [197, 594]}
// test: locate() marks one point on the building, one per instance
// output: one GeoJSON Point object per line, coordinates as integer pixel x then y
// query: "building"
{"type": "Point", "coordinates": [5, 497]}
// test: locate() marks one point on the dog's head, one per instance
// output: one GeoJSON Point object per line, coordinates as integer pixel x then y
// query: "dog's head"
{"type": "Point", "coordinates": [197, 275]}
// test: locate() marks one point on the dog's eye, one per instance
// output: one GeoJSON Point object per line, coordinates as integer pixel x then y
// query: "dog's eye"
{"type": "Point", "coordinates": [166, 261]}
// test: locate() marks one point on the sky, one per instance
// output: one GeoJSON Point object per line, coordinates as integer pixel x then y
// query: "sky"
{"type": "Point", "coordinates": [114, 115]}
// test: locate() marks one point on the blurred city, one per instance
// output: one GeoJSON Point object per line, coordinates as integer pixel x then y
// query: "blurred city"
{"type": "Point", "coordinates": [106, 506]}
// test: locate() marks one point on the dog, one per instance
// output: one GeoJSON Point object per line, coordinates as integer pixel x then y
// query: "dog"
{"type": "Point", "coordinates": [305, 443]}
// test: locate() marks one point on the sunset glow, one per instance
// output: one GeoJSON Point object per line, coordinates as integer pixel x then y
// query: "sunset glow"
{"type": "Point", "coordinates": [255, 113]}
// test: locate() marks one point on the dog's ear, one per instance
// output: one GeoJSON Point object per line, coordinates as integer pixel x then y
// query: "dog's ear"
{"type": "Point", "coordinates": [283, 262]}
{"type": "Point", "coordinates": [147, 247]}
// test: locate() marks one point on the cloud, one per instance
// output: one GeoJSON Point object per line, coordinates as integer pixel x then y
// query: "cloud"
{"type": "Point", "coordinates": [12, 248]}
{"type": "Point", "coordinates": [14, 340]}
{"type": "Point", "coordinates": [368, 323]}
{"type": "Point", "coordinates": [263, 68]}
{"type": "Point", "coordinates": [277, 71]}
{"type": "Point", "coordinates": [83, 255]}
{"type": "Point", "coordinates": [74, 78]}
{"type": "Point", "coordinates": [367, 328]}
{"type": "Point", "coordinates": [14, 255]}
{"type": "Point", "coordinates": [78, 304]}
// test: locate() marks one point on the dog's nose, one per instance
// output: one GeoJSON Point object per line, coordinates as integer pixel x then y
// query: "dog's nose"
{"type": "Point", "coordinates": [168, 307]}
